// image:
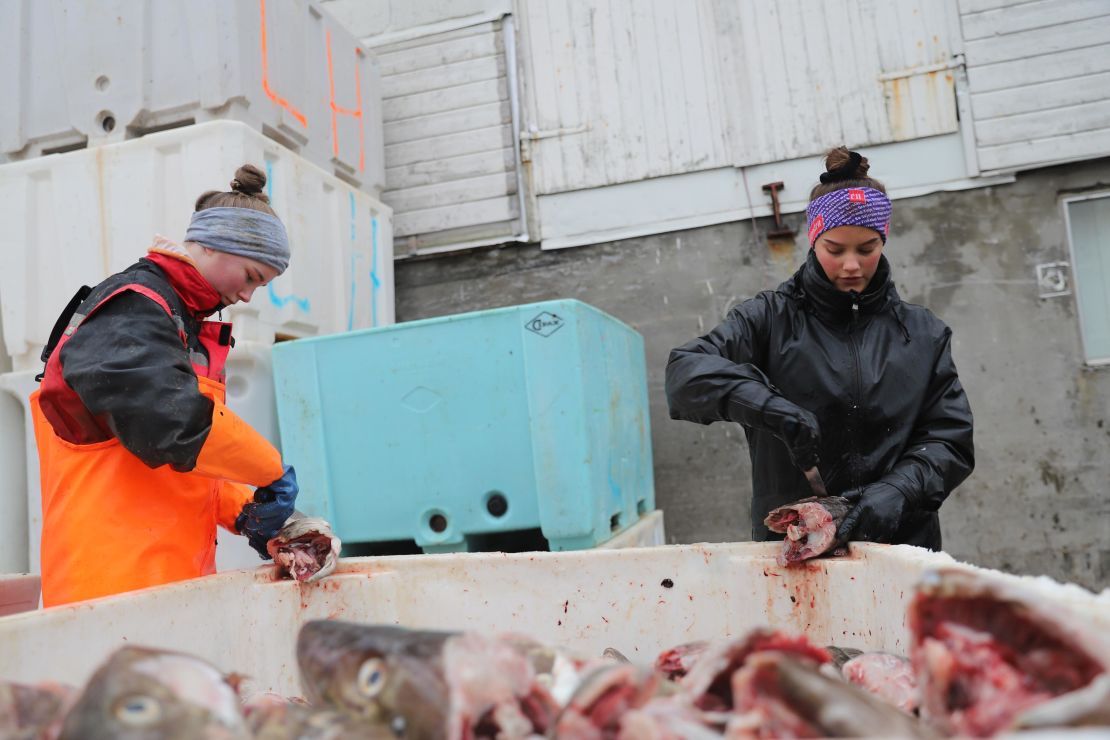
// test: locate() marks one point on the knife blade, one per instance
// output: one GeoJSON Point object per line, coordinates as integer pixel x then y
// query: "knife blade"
{"type": "Point", "coordinates": [816, 482]}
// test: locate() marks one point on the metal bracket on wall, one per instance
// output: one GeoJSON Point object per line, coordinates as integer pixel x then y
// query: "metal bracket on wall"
{"type": "Point", "coordinates": [1054, 279]}
{"type": "Point", "coordinates": [781, 231]}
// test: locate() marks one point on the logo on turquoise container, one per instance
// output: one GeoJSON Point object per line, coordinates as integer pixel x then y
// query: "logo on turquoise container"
{"type": "Point", "coordinates": [545, 324]}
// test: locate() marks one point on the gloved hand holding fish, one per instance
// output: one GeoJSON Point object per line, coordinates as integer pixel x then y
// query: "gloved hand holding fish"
{"type": "Point", "coordinates": [811, 527]}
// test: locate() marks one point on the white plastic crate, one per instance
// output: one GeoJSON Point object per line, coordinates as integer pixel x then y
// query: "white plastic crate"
{"type": "Point", "coordinates": [78, 217]}
{"type": "Point", "coordinates": [20, 501]}
{"type": "Point", "coordinates": [638, 601]}
{"type": "Point", "coordinates": [74, 72]}
{"type": "Point", "coordinates": [14, 547]}
{"type": "Point", "coordinates": [18, 593]}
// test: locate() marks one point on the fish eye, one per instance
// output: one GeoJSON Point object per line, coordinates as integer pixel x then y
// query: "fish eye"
{"type": "Point", "coordinates": [398, 726]}
{"type": "Point", "coordinates": [138, 710]}
{"type": "Point", "coordinates": [371, 677]}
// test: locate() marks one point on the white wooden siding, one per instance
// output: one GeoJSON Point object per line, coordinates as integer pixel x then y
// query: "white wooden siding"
{"type": "Point", "coordinates": [1039, 77]}
{"type": "Point", "coordinates": [619, 91]}
{"type": "Point", "coordinates": [622, 90]}
{"type": "Point", "coordinates": [450, 156]}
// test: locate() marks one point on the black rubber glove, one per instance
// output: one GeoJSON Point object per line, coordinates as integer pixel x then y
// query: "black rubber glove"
{"type": "Point", "coordinates": [261, 519]}
{"type": "Point", "coordinates": [876, 516]}
{"type": "Point", "coordinates": [796, 427]}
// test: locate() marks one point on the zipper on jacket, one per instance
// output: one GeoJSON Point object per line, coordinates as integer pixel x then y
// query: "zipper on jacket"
{"type": "Point", "coordinates": [858, 397]}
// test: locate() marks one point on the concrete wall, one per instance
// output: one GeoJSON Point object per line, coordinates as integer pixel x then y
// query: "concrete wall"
{"type": "Point", "coordinates": [1039, 499]}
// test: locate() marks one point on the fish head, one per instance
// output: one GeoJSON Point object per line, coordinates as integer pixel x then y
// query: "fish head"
{"type": "Point", "coordinates": [603, 697]}
{"type": "Point", "coordinates": [142, 693]}
{"type": "Point", "coordinates": [676, 662]}
{"type": "Point", "coordinates": [305, 548]}
{"type": "Point", "coordinates": [33, 711]}
{"type": "Point", "coordinates": [299, 722]}
{"type": "Point", "coordinates": [709, 681]}
{"type": "Point", "coordinates": [380, 673]}
{"type": "Point", "coordinates": [988, 647]}
{"type": "Point", "coordinates": [779, 687]}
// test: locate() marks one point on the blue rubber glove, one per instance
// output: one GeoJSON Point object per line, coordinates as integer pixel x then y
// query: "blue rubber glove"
{"type": "Point", "coordinates": [272, 506]}
{"type": "Point", "coordinates": [876, 516]}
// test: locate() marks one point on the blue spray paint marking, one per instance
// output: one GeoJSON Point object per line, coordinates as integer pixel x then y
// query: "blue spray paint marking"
{"type": "Point", "coordinates": [375, 283]}
{"type": "Point", "coordinates": [351, 306]}
{"type": "Point", "coordinates": [277, 300]}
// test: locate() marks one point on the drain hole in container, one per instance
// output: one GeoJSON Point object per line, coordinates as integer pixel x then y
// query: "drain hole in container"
{"type": "Point", "coordinates": [496, 504]}
{"type": "Point", "coordinates": [615, 522]}
{"type": "Point", "coordinates": [438, 523]}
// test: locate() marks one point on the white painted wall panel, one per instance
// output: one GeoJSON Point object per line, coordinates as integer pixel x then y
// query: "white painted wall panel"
{"type": "Point", "coordinates": [1028, 16]}
{"type": "Point", "coordinates": [622, 90]}
{"type": "Point", "coordinates": [619, 91]}
{"type": "Point", "coordinates": [1039, 77]}
{"type": "Point", "coordinates": [1044, 40]}
{"type": "Point", "coordinates": [1046, 95]}
{"type": "Point", "coordinates": [465, 167]}
{"type": "Point", "coordinates": [1019, 73]}
{"type": "Point", "coordinates": [451, 169]}
{"type": "Point", "coordinates": [374, 19]}
{"type": "Point", "coordinates": [437, 50]}
{"type": "Point", "coordinates": [1026, 153]}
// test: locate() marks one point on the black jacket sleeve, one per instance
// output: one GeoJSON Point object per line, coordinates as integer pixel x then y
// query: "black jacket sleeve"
{"type": "Point", "coordinates": [940, 453]}
{"type": "Point", "coordinates": [128, 363]}
{"type": "Point", "coordinates": [716, 377]}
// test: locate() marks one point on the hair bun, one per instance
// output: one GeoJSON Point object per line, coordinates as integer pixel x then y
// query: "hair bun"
{"type": "Point", "coordinates": [842, 164]}
{"type": "Point", "coordinates": [249, 180]}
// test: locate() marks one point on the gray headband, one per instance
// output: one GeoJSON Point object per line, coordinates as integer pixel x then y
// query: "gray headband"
{"type": "Point", "coordinates": [242, 231]}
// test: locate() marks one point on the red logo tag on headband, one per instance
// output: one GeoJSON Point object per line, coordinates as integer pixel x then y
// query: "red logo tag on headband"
{"type": "Point", "coordinates": [857, 196]}
{"type": "Point", "coordinates": [816, 227]}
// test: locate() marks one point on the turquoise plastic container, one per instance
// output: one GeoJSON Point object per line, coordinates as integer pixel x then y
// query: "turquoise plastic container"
{"type": "Point", "coordinates": [443, 430]}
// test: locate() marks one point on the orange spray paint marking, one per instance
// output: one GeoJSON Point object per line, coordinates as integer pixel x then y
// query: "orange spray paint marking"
{"type": "Point", "coordinates": [266, 76]}
{"type": "Point", "coordinates": [337, 110]}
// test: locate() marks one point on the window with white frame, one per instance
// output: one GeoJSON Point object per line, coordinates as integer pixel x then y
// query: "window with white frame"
{"type": "Point", "coordinates": [1088, 224]}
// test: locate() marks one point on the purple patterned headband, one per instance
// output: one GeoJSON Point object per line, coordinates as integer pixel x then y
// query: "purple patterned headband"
{"type": "Point", "coordinates": [849, 207]}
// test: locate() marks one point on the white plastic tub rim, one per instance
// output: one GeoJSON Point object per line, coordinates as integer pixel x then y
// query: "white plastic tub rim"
{"type": "Point", "coordinates": [639, 601]}
{"type": "Point", "coordinates": [19, 592]}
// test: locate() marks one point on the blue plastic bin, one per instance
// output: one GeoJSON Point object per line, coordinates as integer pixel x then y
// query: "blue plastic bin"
{"type": "Point", "coordinates": [442, 430]}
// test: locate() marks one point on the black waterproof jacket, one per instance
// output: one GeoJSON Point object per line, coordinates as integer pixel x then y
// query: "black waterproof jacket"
{"type": "Point", "coordinates": [876, 372]}
{"type": "Point", "coordinates": [129, 367]}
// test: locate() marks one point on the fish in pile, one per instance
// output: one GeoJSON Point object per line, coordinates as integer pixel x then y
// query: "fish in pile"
{"type": "Point", "coordinates": [840, 656]}
{"type": "Point", "coordinates": [708, 685]}
{"type": "Point", "coordinates": [992, 656]}
{"type": "Point", "coordinates": [293, 721]}
{"type": "Point", "coordinates": [988, 657]}
{"type": "Point", "coordinates": [809, 525]}
{"type": "Point", "coordinates": [422, 683]}
{"type": "Point", "coordinates": [597, 708]}
{"type": "Point", "coordinates": [33, 711]}
{"type": "Point", "coordinates": [675, 662]}
{"type": "Point", "coordinates": [141, 694]}
{"type": "Point", "coordinates": [780, 695]}
{"type": "Point", "coordinates": [890, 677]}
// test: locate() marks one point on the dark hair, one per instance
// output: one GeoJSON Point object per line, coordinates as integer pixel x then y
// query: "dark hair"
{"type": "Point", "coordinates": [844, 169]}
{"type": "Point", "coordinates": [246, 192]}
